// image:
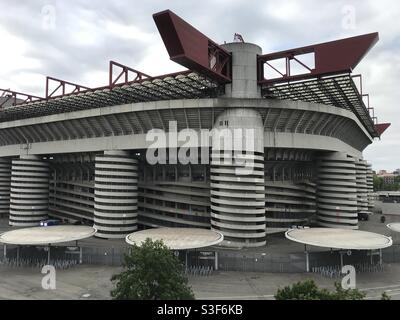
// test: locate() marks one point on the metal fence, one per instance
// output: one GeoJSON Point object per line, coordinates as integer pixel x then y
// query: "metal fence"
{"type": "Point", "coordinates": [234, 261]}
{"type": "Point", "coordinates": [103, 256]}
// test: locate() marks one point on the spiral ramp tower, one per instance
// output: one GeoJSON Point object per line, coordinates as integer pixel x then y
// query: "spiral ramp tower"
{"type": "Point", "coordinates": [116, 194]}
{"type": "Point", "coordinates": [237, 180]}
{"type": "Point", "coordinates": [5, 186]}
{"type": "Point", "coordinates": [370, 187]}
{"type": "Point", "coordinates": [337, 191]}
{"type": "Point", "coordinates": [29, 197]}
{"type": "Point", "coordinates": [362, 188]}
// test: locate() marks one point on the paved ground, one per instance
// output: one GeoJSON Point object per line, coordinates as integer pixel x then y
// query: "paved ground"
{"type": "Point", "coordinates": [93, 280]}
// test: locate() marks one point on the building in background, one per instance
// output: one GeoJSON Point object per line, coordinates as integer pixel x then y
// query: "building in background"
{"type": "Point", "coordinates": [388, 177]}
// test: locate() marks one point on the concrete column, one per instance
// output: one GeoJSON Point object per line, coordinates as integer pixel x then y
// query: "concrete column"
{"type": "Point", "coordinates": [244, 70]}
{"type": "Point", "coordinates": [29, 198]}
{"type": "Point", "coordinates": [116, 194]}
{"type": "Point", "coordinates": [237, 178]}
{"type": "Point", "coordinates": [5, 186]}
{"type": "Point", "coordinates": [337, 191]}
{"type": "Point", "coordinates": [362, 189]}
{"type": "Point", "coordinates": [370, 187]}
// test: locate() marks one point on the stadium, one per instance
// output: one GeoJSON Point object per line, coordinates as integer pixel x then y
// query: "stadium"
{"type": "Point", "coordinates": [81, 154]}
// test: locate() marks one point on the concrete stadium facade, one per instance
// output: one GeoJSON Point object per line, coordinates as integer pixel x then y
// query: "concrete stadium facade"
{"type": "Point", "coordinates": [86, 160]}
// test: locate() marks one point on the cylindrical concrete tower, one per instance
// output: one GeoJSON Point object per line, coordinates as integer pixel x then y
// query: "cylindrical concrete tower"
{"type": "Point", "coordinates": [5, 186]}
{"type": "Point", "coordinates": [244, 70]}
{"type": "Point", "coordinates": [337, 191]}
{"type": "Point", "coordinates": [362, 191]}
{"type": "Point", "coordinates": [116, 194]}
{"type": "Point", "coordinates": [370, 187]}
{"type": "Point", "coordinates": [237, 178]}
{"type": "Point", "coordinates": [29, 191]}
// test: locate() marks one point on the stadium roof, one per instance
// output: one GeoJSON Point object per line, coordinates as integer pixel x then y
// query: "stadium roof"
{"type": "Point", "coordinates": [327, 80]}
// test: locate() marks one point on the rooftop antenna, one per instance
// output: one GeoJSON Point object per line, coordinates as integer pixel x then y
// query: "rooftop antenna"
{"type": "Point", "coordinates": [238, 38]}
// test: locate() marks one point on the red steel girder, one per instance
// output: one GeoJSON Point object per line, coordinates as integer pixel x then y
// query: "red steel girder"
{"type": "Point", "coordinates": [192, 49]}
{"type": "Point", "coordinates": [125, 72]}
{"type": "Point", "coordinates": [16, 97]}
{"type": "Point", "coordinates": [382, 127]}
{"type": "Point", "coordinates": [65, 87]}
{"type": "Point", "coordinates": [335, 57]}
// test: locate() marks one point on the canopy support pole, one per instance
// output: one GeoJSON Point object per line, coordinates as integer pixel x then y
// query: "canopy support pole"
{"type": "Point", "coordinates": [216, 260]}
{"type": "Point", "coordinates": [17, 256]}
{"type": "Point", "coordinates": [307, 258]}
{"type": "Point", "coordinates": [48, 255]}
{"type": "Point", "coordinates": [380, 257]}
{"type": "Point", "coordinates": [5, 251]}
{"type": "Point", "coordinates": [341, 259]}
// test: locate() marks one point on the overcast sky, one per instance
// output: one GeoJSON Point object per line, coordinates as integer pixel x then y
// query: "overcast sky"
{"type": "Point", "coordinates": [74, 40]}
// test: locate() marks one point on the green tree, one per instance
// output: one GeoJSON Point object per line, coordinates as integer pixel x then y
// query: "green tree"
{"type": "Point", "coordinates": [385, 296]}
{"type": "Point", "coordinates": [152, 272]}
{"type": "Point", "coordinates": [378, 183]}
{"type": "Point", "coordinates": [308, 290]}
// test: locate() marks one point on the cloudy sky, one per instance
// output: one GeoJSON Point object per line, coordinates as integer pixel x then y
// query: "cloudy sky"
{"type": "Point", "coordinates": [74, 40]}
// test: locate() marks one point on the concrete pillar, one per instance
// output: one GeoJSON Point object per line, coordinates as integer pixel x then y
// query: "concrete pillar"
{"type": "Point", "coordinates": [29, 198]}
{"type": "Point", "coordinates": [5, 186]}
{"type": "Point", "coordinates": [116, 194]}
{"type": "Point", "coordinates": [337, 191]}
{"type": "Point", "coordinates": [370, 187]}
{"type": "Point", "coordinates": [237, 178]}
{"type": "Point", "coordinates": [362, 189]}
{"type": "Point", "coordinates": [244, 70]}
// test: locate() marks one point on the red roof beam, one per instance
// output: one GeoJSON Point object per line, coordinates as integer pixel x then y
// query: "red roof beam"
{"type": "Point", "coordinates": [382, 127]}
{"type": "Point", "coordinates": [192, 49]}
{"type": "Point", "coordinates": [14, 95]}
{"type": "Point", "coordinates": [64, 86]}
{"type": "Point", "coordinates": [125, 72]}
{"type": "Point", "coordinates": [335, 57]}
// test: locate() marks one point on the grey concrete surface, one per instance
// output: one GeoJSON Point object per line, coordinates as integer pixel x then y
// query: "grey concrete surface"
{"type": "Point", "coordinates": [339, 238]}
{"type": "Point", "coordinates": [178, 238]}
{"type": "Point", "coordinates": [46, 235]}
{"type": "Point", "coordinates": [95, 281]}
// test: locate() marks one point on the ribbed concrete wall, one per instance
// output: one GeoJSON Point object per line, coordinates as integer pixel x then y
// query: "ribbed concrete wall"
{"type": "Point", "coordinates": [237, 193]}
{"type": "Point", "coordinates": [362, 189]}
{"type": "Point", "coordinates": [116, 194]}
{"type": "Point", "coordinates": [337, 191]}
{"type": "Point", "coordinates": [29, 191]}
{"type": "Point", "coordinates": [174, 204]}
{"type": "Point", "coordinates": [370, 187]}
{"type": "Point", "coordinates": [288, 203]}
{"type": "Point", "coordinates": [5, 186]}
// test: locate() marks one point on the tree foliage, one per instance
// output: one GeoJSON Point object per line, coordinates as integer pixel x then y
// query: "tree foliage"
{"type": "Point", "coordinates": [152, 272]}
{"type": "Point", "coordinates": [381, 185]}
{"type": "Point", "coordinates": [385, 296]}
{"type": "Point", "coordinates": [308, 290]}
